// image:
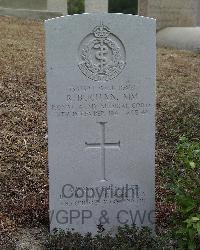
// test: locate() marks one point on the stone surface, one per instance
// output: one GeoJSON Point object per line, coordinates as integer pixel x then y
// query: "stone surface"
{"type": "Point", "coordinates": [96, 6]}
{"type": "Point", "coordinates": [57, 5]}
{"type": "Point", "coordinates": [101, 127]}
{"type": "Point", "coordinates": [37, 9]}
{"type": "Point", "coordinates": [24, 4]}
{"type": "Point", "coordinates": [143, 7]}
{"type": "Point", "coordinates": [177, 13]}
{"type": "Point", "coordinates": [30, 14]}
{"type": "Point", "coordinates": [180, 38]}
{"type": "Point", "coordinates": [198, 14]}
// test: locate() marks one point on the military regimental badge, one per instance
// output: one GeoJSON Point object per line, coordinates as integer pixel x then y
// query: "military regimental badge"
{"type": "Point", "coordinates": [102, 55]}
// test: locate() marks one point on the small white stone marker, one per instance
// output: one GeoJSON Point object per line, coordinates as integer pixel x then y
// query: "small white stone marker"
{"type": "Point", "coordinates": [101, 121]}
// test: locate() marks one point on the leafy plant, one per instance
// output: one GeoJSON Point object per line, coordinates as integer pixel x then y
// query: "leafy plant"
{"type": "Point", "coordinates": [122, 6]}
{"type": "Point", "coordinates": [127, 238]}
{"type": "Point", "coordinates": [75, 6]}
{"type": "Point", "coordinates": [185, 187]}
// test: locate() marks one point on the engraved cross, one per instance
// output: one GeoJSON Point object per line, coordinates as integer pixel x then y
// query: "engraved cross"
{"type": "Point", "coordinates": [103, 145]}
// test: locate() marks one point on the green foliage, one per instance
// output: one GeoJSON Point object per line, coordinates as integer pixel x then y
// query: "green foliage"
{"type": "Point", "coordinates": [118, 6]}
{"type": "Point", "coordinates": [123, 6]}
{"type": "Point", "coordinates": [185, 188]}
{"type": "Point", "coordinates": [75, 6]}
{"type": "Point", "coordinates": [128, 237]}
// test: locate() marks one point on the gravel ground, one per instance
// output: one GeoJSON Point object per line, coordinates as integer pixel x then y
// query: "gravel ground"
{"type": "Point", "coordinates": [23, 122]}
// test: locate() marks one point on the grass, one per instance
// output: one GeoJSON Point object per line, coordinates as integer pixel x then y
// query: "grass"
{"type": "Point", "coordinates": [23, 122]}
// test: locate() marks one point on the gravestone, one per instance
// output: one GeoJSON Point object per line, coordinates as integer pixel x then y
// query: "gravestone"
{"type": "Point", "coordinates": [24, 4]}
{"type": "Point", "coordinates": [37, 9]}
{"type": "Point", "coordinates": [57, 5]}
{"type": "Point", "coordinates": [177, 13]}
{"type": "Point", "coordinates": [96, 6]}
{"type": "Point", "coordinates": [198, 14]}
{"type": "Point", "coordinates": [101, 121]}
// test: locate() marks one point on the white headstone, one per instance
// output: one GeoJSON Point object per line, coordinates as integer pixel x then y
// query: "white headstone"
{"type": "Point", "coordinates": [176, 13]}
{"type": "Point", "coordinates": [57, 5]}
{"type": "Point", "coordinates": [198, 14]}
{"type": "Point", "coordinates": [101, 121]}
{"type": "Point", "coordinates": [96, 6]}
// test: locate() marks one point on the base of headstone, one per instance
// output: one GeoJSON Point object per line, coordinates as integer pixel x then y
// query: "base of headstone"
{"type": "Point", "coordinates": [27, 13]}
{"type": "Point", "coordinates": [184, 38]}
